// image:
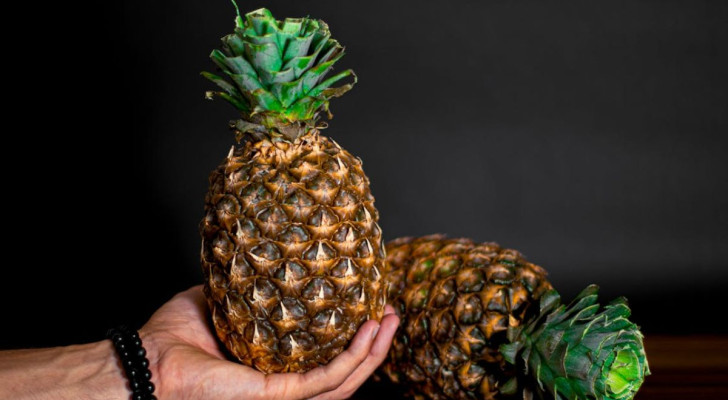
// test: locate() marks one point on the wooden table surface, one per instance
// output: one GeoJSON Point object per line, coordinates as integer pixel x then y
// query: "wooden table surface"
{"type": "Point", "coordinates": [686, 368]}
{"type": "Point", "coordinates": [683, 368]}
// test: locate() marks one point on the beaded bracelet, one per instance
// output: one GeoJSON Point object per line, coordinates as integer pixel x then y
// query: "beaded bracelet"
{"type": "Point", "coordinates": [136, 366]}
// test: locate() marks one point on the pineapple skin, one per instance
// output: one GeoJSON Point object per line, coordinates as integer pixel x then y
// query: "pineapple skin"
{"type": "Point", "coordinates": [292, 253]}
{"type": "Point", "coordinates": [456, 300]}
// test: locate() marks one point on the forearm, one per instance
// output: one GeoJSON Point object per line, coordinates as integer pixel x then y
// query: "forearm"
{"type": "Point", "coordinates": [86, 372]}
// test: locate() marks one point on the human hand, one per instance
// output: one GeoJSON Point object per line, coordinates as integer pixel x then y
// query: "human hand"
{"type": "Point", "coordinates": [187, 363]}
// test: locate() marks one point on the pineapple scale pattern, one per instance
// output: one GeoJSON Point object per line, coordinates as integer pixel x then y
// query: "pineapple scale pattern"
{"type": "Point", "coordinates": [291, 251]}
{"type": "Point", "coordinates": [456, 299]}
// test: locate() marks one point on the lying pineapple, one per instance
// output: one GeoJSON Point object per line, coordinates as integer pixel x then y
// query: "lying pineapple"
{"type": "Point", "coordinates": [291, 249]}
{"type": "Point", "coordinates": [474, 316]}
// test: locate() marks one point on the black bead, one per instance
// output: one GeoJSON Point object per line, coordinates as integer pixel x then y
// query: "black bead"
{"type": "Point", "coordinates": [133, 358]}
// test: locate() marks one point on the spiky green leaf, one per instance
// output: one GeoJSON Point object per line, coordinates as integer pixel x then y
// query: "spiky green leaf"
{"type": "Point", "coordinates": [324, 89]}
{"type": "Point", "coordinates": [276, 69]}
{"type": "Point", "coordinates": [222, 83]}
{"type": "Point", "coordinates": [581, 351]}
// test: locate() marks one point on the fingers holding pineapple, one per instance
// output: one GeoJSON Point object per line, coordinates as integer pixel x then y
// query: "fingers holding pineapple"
{"type": "Point", "coordinates": [187, 363]}
{"type": "Point", "coordinates": [371, 352]}
{"type": "Point", "coordinates": [341, 377]}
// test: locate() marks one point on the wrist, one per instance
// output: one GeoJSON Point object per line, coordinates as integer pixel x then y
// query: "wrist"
{"type": "Point", "coordinates": [89, 371]}
{"type": "Point", "coordinates": [150, 341]}
{"type": "Point", "coordinates": [133, 357]}
{"type": "Point", "coordinates": [105, 375]}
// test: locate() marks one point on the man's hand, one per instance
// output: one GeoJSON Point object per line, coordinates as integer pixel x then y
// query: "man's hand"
{"type": "Point", "coordinates": [186, 362]}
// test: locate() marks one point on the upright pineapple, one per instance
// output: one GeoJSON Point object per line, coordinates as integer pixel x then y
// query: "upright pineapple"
{"type": "Point", "coordinates": [476, 318]}
{"type": "Point", "coordinates": [291, 249]}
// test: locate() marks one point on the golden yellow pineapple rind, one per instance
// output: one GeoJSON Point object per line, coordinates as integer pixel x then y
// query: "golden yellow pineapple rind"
{"type": "Point", "coordinates": [456, 300]}
{"type": "Point", "coordinates": [291, 252]}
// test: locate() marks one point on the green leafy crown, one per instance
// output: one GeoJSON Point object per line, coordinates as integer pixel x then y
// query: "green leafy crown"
{"type": "Point", "coordinates": [580, 351]}
{"type": "Point", "coordinates": [274, 70]}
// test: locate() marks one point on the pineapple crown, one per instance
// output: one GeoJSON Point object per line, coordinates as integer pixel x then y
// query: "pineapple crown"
{"type": "Point", "coordinates": [580, 351]}
{"type": "Point", "coordinates": [274, 73]}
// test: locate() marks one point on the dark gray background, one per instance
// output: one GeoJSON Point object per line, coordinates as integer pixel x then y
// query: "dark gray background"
{"type": "Point", "coordinates": [591, 136]}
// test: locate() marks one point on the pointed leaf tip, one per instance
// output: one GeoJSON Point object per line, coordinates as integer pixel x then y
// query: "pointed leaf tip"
{"type": "Point", "coordinates": [222, 83]}
{"type": "Point", "coordinates": [549, 300]}
{"type": "Point", "coordinates": [588, 291]}
{"type": "Point", "coordinates": [238, 18]}
{"type": "Point", "coordinates": [621, 300]}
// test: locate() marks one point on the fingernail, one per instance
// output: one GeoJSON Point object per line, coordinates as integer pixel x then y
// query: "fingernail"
{"type": "Point", "coordinates": [375, 331]}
